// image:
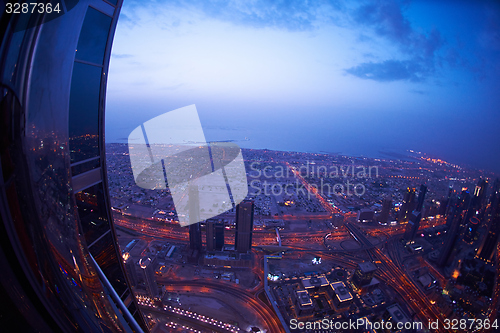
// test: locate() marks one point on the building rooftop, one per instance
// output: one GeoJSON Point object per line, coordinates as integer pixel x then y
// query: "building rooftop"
{"type": "Point", "coordinates": [367, 267]}
{"type": "Point", "coordinates": [341, 291]}
{"type": "Point", "coordinates": [397, 314]}
{"type": "Point", "coordinates": [320, 281]}
{"type": "Point", "coordinates": [426, 280]}
{"type": "Point", "coordinates": [303, 298]}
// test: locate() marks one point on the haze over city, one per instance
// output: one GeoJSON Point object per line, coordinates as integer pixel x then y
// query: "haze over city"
{"type": "Point", "coordinates": [333, 76]}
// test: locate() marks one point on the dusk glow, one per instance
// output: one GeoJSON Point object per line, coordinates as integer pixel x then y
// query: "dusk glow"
{"type": "Point", "coordinates": [336, 76]}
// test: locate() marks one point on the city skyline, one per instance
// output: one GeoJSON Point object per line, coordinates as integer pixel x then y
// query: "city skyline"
{"type": "Point", "coordinates": [390, 254]}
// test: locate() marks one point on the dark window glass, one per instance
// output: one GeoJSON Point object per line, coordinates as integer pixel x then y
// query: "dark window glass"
{"type": "Point", "coordinates": [12, 56]}
{"type": "Point", "coordinates": [132, 308]}
{"type": "Point", "coordinates": [125, 295]}
{"type": "Point", "coordinates": [104, 252]}
{"type": "Point", "coordinates": [137, 316]}
{"type": "Point", "coordinates": [84, 112]}
{"type": "Point", "coordinates": [112, 1]}
{"type": "Point", "coordinates": [85, 166]}
{"type": "Point", "coordinates": [93, 37]}
{"type": "Point", "coordinates": [97, 231]}
{"type": "Point", "coordinates": [70, 4]}
{"type": "Point", "coordinates": [92, 212]}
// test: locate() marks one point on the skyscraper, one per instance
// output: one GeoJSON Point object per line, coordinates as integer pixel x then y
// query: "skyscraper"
{"type": "Point", "coordinates": [454, 220]}
{"type": "Point", "coordinates": [421, 198]}
{"type": "Point", "coordinates": [415, 216]}
{"type": "Point", "coordinates": [215, 235]}
{"type": "Point", "coordinates": [447, 202]}
{"type": "Point", "coordinates": [363, 274]}
{"type": "Point", "coordinates": [413, 225]}
{"type": "Point", "coordinates": [386, 210]}
{"type": "Point", "coordinates": [479, 194]}
{"type": "Point", "coordinates": [475, 213]}
{"type": "Point", "coordinates": [407, 205]}
{"type": "Point", "coordinates": [148, 276]}
{"type": "Point", "coordinates": [489, 244]}
{"type": "Point", "coordinates": [131, 268]}
{"type": "Point", "coordinates": [195, 242]}
{"type": "Point", "coordinates": [244, 226]}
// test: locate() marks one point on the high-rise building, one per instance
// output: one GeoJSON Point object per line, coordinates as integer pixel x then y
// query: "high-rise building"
{"type": "Point", "coordinates": [365, 215]}
{"type": "Point", "coordinates": [454, 221]}
{"type": "Point", "coordinates": [363, 274]}
{"type": "Point", "coordinates": [195, 242]}
{"type": "Point", "coordinates": [244, 226]}
{"type": "Point", "coordinates": [479, 194]}
{"type": "Point", "coordinates": [407, 204]}
{"type": "Point", "coordinates": [447, 203]}
{"type": "Point", "coordinates": [471, 229]}
{"type": "Point", "coordinates": [131, 268]}
{"type": "Point", "coordinates": [489, 244]}
{"type": "Point", "coordinates": [215, 235]}
{"type": "Point", "coordinates": [421, 198]}
{"type": "Point", "coordinates": [475, 213]}
{"type": "Point", "coordinates": [413, 225]}
{"type": "Point", "coordinates": [398, 319]}
{"type": "Point", "coordinates": [341, 297]}
{"type": "Point", "coordinates": [148, 276]}
{"type": "Point", "coordinates": [55, 212]}
{"type": "Point", "coordinates": [386, 210]}
{"type": "Point", "coordinates": [494, 190]}
{"type": "Point", "coordinates": [465, 201]}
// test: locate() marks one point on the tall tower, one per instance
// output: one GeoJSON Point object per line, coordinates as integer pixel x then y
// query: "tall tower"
{"type": "Point", "coordinates": [386, 210]}
{"type": "Point", "coordinates": [413, 225]}
{"type": "Point", "coordinates": [130, 267]}
{"type": "Point", "coordinates": [148, 275]}
{"type": "Point", "coordinates": [446, 202]}
{"type": "Point", "coordinates": [479, 194]}
{"type": "Point", "coordinates": [195, 228]}
{"type": "Point", "coordinates": [421, 197]}
{"type": "Point", "coordinates": [215, 235]}
{"type": "Point", "coordinates": [494, 189]}
{"type": "Point", "coordinates": [489, 244]}
{"type": "Point", "coordinates": [475, 213]}
{"type": "Point", "coordinates": [244, 226]}
{"type": "Point", "coordinates": [415, 216]}
{"type": "Point", "coordinates": [364, 273]}
{"type": "Point", "coordinates": [195, 242]}
{"type": "Point", "coordinates": [408, 204]}
{"type": "Point", "coordinates": [454, 220]}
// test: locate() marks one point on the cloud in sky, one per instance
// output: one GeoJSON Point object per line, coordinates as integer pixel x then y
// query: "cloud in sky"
{"type": "Point", "coordinates": [389, 70]}
{"type": "Point", "coordinates": [386, 19]}
{"type": "Point", "coordinates": [406, 59]}
{"type": "Point", "coordinates": [121, 56]}
{"type": "Point", "coordinates": [293, 15]}
{"type": "Point", "coordinates": [420, 53]}
{"type": "Point", "coordinates": [399, 48]}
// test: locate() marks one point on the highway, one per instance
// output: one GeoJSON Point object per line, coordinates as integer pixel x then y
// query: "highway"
{"type": "Point", "coordinates": [398, 279]}
{"type": "Point", "coordinates": [253, 303]}
{"type": "Point", "coordinates": [390, 271]}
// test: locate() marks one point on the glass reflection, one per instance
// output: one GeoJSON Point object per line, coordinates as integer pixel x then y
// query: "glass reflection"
{"type": "Point", "coordinates": [84, 112]}
{"type": "Point", "coordinates": [93, 37]}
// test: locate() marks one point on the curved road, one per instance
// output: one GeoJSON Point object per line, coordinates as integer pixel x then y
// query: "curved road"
{"type": "Point", "coordinates": [268, 316]}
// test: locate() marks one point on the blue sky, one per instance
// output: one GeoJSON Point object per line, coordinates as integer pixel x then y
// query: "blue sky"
{"type": "Point", "coordinates": [336, 76]}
